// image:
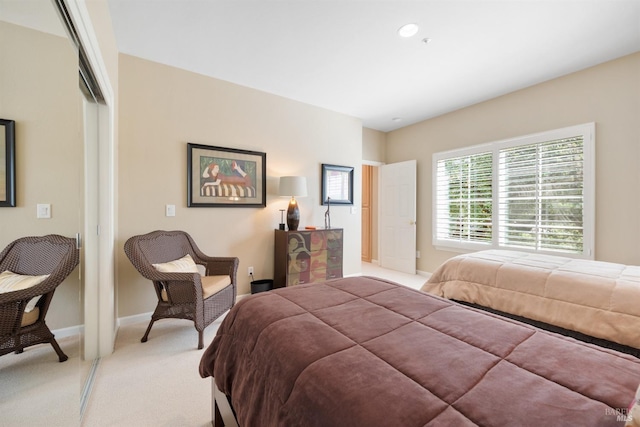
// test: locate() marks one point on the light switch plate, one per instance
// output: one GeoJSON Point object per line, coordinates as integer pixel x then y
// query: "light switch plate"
{"type": "Point", "coordinates": [43, 210]}
{"type": "Point", "coordinates": [170, 210]}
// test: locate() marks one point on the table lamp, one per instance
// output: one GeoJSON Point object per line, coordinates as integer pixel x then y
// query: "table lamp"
{"type": "Point", "coordinates": [293, 186]}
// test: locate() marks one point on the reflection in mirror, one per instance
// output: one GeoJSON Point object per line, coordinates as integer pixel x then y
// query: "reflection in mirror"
{"type": "Point", "coordinates": [337, 185]}
{"type": "Point", "coordinates": [39, 92]}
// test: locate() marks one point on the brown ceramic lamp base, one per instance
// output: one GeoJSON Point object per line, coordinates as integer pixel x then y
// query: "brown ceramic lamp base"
{"type": "Point", "coordinates": [293, 215]}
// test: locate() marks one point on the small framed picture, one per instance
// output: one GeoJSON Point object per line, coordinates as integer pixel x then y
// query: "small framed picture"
{"type": "Point", "coordinates": [225, 177]}
{"type": "Point", "coordinates": [337, 185]}
{"type": "Point", "coordinates": [7, 163]}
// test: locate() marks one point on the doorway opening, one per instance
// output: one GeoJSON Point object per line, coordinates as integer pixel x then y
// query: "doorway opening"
{"type": "Point", "coordinates": [389, 215]}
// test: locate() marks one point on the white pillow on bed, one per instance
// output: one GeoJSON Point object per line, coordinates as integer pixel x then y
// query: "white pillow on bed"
{"type": "Point", "coordinates": [182, 265]}
{"type": "Point", "coordinates": [10, 281]}
{"type": "Point", "coordinates": [633, 417]}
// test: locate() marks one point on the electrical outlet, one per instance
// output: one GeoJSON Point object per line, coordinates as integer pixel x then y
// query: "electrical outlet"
{"type": "Point", "coordinates": [417, 254]}
{"type": "Point", "coordinates": [250, 272]}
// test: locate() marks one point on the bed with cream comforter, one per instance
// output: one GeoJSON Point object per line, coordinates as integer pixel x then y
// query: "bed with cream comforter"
{"type": "Point", "coordinates": [599, 299]}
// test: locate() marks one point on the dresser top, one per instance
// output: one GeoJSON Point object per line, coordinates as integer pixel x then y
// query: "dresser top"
{"type": "Point", "coordinates": [302, 230]}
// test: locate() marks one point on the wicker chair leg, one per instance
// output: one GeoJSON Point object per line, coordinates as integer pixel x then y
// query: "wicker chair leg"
{"type": "Point", "coordinates": [146, 334]}
{"type": "Point", "coordinates": [200, 340]}
{"type": "Point", "coordinates": [61, 356]}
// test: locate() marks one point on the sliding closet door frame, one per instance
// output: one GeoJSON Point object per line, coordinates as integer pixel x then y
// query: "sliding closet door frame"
{"type": "Point", "coordinates": [99, 310]}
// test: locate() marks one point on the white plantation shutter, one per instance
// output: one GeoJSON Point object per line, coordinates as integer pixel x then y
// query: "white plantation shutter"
{"type": "Point", "coordinates": [541, 196]}
{"type": "Point", "coordinates": [531, 193]}
{"type": "Point", "coordinates": [464, 198]}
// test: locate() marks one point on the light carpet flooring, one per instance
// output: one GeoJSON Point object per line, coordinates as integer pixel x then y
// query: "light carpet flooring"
{"type": "Point", "coordinates": [414, 281]}
{"type": "Point", "coordinates": [141, 384]}
{"type": "Point", "coordinates": [154, 383]}
{"type": "Point", "coordinates": [37, 390]}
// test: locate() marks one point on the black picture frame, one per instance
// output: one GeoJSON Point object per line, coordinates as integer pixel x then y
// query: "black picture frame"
{"type": "Point", "coordinates": [7, 163]}
{"type": "Point", "coordinates": [337, 183]}
{"type": "Point", "coordinates": [225, 177]}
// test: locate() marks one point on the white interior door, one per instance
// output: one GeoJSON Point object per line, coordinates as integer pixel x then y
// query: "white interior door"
{"type": "Point", "coordinates": [397, 187]}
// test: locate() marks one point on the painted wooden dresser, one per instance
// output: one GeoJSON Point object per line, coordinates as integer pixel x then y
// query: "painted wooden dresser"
{"type": "Point", "coordinates": [307, 256]}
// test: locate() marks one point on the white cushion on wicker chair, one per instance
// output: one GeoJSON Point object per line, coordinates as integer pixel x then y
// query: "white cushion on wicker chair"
{"type": "Point", "coordinates": [30, 317]}
{"type": "Point", "coordinates": [182, 265]}
{"type": "Point", "coordinates": [213, 284]}
{"type": "Point", "coordinates": [210, 285]}
{"type": "Point", "coordinates": [10, 282]}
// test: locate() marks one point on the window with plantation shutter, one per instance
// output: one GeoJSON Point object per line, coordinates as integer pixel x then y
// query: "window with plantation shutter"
{"type": "Point", "coordinates": [464, 198]}
{"type": "Point", "coordinates": [532, 193]}
{"type": "Point", "coordinates": [541, 196]}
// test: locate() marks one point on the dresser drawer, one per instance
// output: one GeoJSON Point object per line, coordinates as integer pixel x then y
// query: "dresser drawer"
{"type": "Point", "coordinates": [298, 263]}
{"type": "Point", "coordinates": [334, 273]}
{"type": "Point", "coordinates": [313, 276]}
{"type": "Point", "coordinates": [331, 239]}
{"type": "Point", "coordinates": [334, 258]}
{"type": "Point", "coordinates": [307, 256]}
{"type": "Point", "coordinates": [303, 261]}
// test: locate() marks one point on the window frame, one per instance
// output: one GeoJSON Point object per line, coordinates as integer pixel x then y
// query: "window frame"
{"type": "Point", "coordinates": [586, 130]}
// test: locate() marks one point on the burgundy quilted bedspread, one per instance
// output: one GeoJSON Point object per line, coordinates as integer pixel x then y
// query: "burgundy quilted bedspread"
{"type": "Point", "coordinates": [362, 351]}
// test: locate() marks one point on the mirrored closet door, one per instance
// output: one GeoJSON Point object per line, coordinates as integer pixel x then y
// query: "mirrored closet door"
{"type": "Point", "coordinates": [39, 91]}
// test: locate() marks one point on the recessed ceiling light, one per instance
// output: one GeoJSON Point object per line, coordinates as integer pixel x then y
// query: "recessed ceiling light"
{"type": "Point", "coordinates": [426, 40]}
{"type": "Point", "coordinates": [408, 30]}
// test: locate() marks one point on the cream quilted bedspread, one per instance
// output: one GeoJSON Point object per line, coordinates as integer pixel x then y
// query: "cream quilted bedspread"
{"type": "Point", "coordinates": [596, 298]}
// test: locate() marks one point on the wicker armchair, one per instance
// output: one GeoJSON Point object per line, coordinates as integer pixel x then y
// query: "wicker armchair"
{"type": "Point", "coordinates": [54, 255]}
{"type": "Point", "coordinates": [180, 295]}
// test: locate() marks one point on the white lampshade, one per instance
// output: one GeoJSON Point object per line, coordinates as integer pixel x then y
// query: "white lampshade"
{"type": "Point", "coordinates": [295, 186]}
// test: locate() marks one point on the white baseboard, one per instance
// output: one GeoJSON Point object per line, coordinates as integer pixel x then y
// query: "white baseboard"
{"type": "Point", "coordinates": [68, 332]}
{"type": "Point", "coordinates": [423, 273]}
{"type": "Point", "coordinates": [136, 318]}
{"type": "Point", "coordinates": [122, 321]}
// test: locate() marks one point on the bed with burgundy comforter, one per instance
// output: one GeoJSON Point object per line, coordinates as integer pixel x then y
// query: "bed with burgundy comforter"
{"type": "Point", "coordinates": [362, 351]}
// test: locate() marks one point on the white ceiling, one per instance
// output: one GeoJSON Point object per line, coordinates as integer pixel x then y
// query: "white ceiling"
{"type": "Point", "coordinates": [40, 15]}
{"type": "Point", "coordinates": [345, 55]}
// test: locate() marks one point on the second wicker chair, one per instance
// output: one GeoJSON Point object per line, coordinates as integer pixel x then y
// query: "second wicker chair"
{"type": "Point", "coordinates": [23, 326]}
{"type": "Point", "coordinates": [161, 256]}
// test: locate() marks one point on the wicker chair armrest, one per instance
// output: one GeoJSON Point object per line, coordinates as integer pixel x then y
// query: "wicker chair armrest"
{"type": "Point", "coordinates": [16, 296]}
{"type": "Point", "coordinates": [222, 266]}
{"type": "Point", "coordinates": [177, 289]}
{"type": "Point", "coordinates": [26, 294]}
{"type": "Point", "coordinates": [158, 276]}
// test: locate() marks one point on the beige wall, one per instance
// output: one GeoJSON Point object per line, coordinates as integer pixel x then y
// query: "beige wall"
{"type": "Point", "coordinates": [103, 28]}
{"type": "Point", "coordinates": [39, 90]}
{"type": "Point", "coordinates": [162, 108]}
{"type": "Point", "coordinates": [374, 145]}
{"type": "Point", "coordinates": [608, 94]}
